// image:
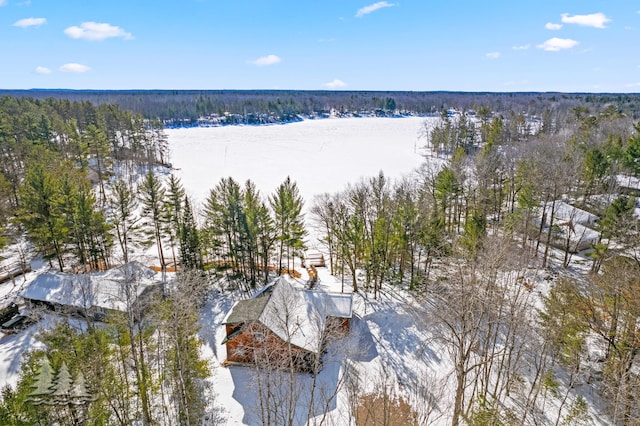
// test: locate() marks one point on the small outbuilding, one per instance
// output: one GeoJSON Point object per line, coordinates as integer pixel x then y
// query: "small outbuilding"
{"type": "Point", "coordinates": [313, 258]}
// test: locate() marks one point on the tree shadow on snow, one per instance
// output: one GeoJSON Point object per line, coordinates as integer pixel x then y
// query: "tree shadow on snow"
{"type": "Point", "coordinates": [364, 341]}
{"type": "Point", "coordinates": [267, 395]}
{"type": "Point", "coordinates": [212, 331]}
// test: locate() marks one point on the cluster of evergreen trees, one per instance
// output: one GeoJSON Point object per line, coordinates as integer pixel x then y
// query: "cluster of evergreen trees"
{"type": "Point", "coordinates": [52, 153]}
{"type": "Point", "coordinates": [392, 231]}
{"type": "Point", "coordinates": [245, 232]}
{"type": "Point", "coordinates": [58, 166]}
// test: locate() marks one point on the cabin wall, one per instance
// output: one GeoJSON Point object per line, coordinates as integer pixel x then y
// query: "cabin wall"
{"type": "Point", "coordinates": [256, 344]}
{"type": "Point", "coordinates": [340, 325]}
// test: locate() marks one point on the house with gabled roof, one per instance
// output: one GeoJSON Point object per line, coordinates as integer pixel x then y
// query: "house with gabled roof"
{"type": "Point", "coordinates": [572, 227]}
{"type": "Point", "coordinates": [284, 325]}
{"type": "Point", "coordinates": [93, 295]}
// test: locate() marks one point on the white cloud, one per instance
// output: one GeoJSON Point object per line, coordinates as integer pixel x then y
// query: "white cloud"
{"type": "Point", "coordinates": [596, 20]}
{"type": "Point", "coordinates": [29, 22]}
{"type": "Point", "coordinates": [553, 27]}
{"type": "Point", "coordinates": [43, 70]}
{"type": "Point", "coordinates": [335, 84]}
{"type": "Point", "coordinates": [76, 68]}
{"type": "Point", "coordinates": [554, 44]}
{"type": "Point", "coordinates": [521, 47]}
{"type": "Point", "coordinates": [372, 8]}
{"type": "Point", "coordinates": [493, 55]}
{"type": "Point", "coordinates": [95, 31]}
{"type": "Point", "coordinates": [3, 2]}
{"type": "Point", "coordinates": [266, 60]}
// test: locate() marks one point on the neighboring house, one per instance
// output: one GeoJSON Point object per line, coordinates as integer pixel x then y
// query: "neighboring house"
{"type": "Point", "coordinates": [573, 237]}
{"type": "Point", "coordinates": [93, 295]}
{"type": "Point", "coordinates": [283, 326]}
{"type": "Point", "coordinates": [572, 227]}
{"type": "Point", "coordinates": [568, 213]}
{"type": "Point", "coordinates": [628, 185]}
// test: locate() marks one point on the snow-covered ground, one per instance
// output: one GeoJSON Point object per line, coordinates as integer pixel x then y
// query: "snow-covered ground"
{"type": "Point", "coordinates": [319, 155]}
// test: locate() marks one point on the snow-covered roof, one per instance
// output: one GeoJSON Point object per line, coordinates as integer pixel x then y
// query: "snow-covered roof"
{"type": "Point", "coordinates": [578, 232]}
{"type": "Point", "coordinates": [295, 315]}
{"type": "Point", "coordinates": [331, 304]}
{"type": "Point", "coordinates": [628, 182]}
{"type": "Point", "coordinates": [104, 289]}
{"type": "Point", "coordinates": [568, 212]}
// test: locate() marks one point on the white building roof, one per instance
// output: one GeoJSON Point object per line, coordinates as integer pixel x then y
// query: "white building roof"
{"type": "Point", "coordinates": [104, 289]}
{"type": "Point", "coordinates": [568, 212]}
{"type": "Point", "coordinates": [580, 237]}
{"type": "Point", "coordinates": [628, 182]}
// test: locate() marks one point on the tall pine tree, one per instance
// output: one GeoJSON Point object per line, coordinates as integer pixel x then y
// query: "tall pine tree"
{"type": "Point", "coordinates": [287, 204]}
{"type": "Point", "coordinates": [191, 257]}
{"type": "Point", "coordinates": [152, 195]}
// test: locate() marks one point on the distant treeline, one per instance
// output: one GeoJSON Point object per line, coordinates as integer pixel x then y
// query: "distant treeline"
{"type": "Point", "coordinates": [185, 107]}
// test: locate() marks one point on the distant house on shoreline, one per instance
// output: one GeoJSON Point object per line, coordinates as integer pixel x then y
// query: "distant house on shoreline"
{"type": "Point", "coordinates": [93, 295]}
{"type": "Point", "coordinates": [283, 326]}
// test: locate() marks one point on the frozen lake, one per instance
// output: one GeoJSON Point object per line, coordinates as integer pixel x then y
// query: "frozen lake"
{"type": "Point", "coordinates": [319, 155]}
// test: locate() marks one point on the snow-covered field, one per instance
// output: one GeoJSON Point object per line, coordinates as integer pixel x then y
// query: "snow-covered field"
{"type": "Point", "coordinates": [319, 155]}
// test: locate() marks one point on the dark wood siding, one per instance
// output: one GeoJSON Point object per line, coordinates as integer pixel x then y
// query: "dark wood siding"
{"type": "Point", "coordinates": [257, 344]}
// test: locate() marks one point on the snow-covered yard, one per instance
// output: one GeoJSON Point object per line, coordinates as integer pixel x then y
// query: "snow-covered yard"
{"type": "Point", "coordinates": [320, 155]}
{"type": "Point", "coordinates": [389, 345]}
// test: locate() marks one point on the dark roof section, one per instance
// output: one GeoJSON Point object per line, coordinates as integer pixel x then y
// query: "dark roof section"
{"type": "Point", "coordinates": [250, 309]}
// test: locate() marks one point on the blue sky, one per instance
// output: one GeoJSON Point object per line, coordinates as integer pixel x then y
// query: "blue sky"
{"type": "Point", "coordinates": [467, 45]}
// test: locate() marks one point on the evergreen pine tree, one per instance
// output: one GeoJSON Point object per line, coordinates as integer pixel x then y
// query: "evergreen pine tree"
{"type": "Point", "coordinates": [40, 214]}
{"type": "Point", "coordinates": [79, 393]}
{"type": "Point", "coordinates": [174, 211]}
{"type": "Point", "coordinates": [189, 240]}
{"type": "Point", "coordinates": [62, 385]}
{"type": "Point", "coordinates": [122, 215]}
{"type": "Point", "coordinates": [224, 212]}
{"type": "Point", "coordinates": [260, 232]}
{"type": "Point", "coordinates": [289, 220]}
{"type": "Point", "coordinates": [97, 148]}
{"type": "Point", "coordinates": [42, 387]}
{"type": "Point", "coordinates": [153, 197]}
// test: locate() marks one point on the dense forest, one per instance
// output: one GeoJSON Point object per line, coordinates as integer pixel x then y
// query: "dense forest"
{"type": "Point", "coordinates": [86, 181]}
{"type": "Point", "coordinates": [186, 107]}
